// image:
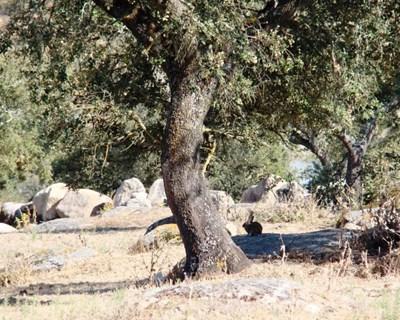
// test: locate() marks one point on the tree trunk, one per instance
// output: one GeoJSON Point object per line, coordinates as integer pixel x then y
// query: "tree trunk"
{"type": "Point", "coordinates": [209, 248]}
{"type": "Point", "coordinates": [354, 174]}
{"type": "Point", "coordinates": [355, 166]}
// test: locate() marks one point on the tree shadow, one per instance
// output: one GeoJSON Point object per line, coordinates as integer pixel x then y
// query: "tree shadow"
{"type": "Point", "coordinates": [317, 243]}
{"type": "Point", "coordinates": [29, 294]}
{"type": "Point", "coordinates": [90, 229]}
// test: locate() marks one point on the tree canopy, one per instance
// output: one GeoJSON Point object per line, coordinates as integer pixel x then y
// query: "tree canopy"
{"type": "Point", "coordinates": [98, 100]}
{"type": "Point", "coordinates": [322, 75]}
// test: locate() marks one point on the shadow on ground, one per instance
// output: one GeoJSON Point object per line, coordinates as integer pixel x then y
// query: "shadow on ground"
{"type": "Point", "coordinates": [24, 295]}
{"type": "Point", "coordinates": [316, 243]}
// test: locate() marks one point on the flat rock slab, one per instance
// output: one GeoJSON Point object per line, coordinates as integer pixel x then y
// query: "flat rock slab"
{"type": "Point", "coordinates": [265, 291]}
{"type": "Point", "coordinates": [118, 211]}
{"type": "Point", "coordinates": [316, 243]}
{"type": "Point", "coordinates": [268, 290]}
{"type": "Point", "coordinates": [18, 295]}
{"type": "Point", "coordinates": [61, 225]}
{"type": "Point", "coordinates": [5, 228]}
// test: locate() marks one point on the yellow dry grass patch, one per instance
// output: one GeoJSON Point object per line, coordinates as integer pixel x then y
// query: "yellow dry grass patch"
{"type": "Point", "coordinates": [338, 297]}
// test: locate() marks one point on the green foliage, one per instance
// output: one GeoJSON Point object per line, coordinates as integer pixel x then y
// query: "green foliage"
{"type": "Point", "coordinates": [327, 184]}
{"type": "Point", "coordinates": [345, 56]}
{"type": "Point", "coordinates": [22, 156]}
{"type": "Point", "coordinates": [382, 167]}
{"type": "Point", "coordinates": [99, 106]}
{"type": "Point", "coordinates": [101, 100]}
{"type": "Point", "coordinates": [346, 61]}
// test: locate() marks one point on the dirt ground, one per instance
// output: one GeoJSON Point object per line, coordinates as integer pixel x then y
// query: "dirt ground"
{"type": "Point", "coordinates": [112, 283]}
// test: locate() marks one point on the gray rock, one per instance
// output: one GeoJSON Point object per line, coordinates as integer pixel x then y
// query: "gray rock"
{"type": "Point", "coordinates": [48, 263]}
{"type": "Point", "coordinates": [265, 291]}
{"type": "Point", "coordinates": [5, 228]}
{"type": "Point", "coordinates": [221, 199]}
{"type": "Point", "coordinates": [12, 210]}
{"type": "Point", "coordinates": [316, 243]}
{"type": "Point", "coordinates": [56, 258]}
{"type": "Point", "coordinates": [269, 290]}
{"type": "Point", "coordinates": [256, 192]}
{"type": "Point", "coordinates": [273, 190]}
{"type": "Point", "coordinates": [142, 196]}
{"type": "Point", "coordinates": [118, 211]}
{"type": "Point", "coordinates": [81, 203]}
{"type": "Point", "coordinates": [361, 219]}
{"type": "Point", "coordinates": [157, 194]}
{"type": "Point", "coordinates": [152, 239]}
{"type": "Point", "coordinates": [129, 189]}
{"type": "Point", "coordinates": [239, 211]}
{"type": "Point", "coordinates": [61, 225]}
{"type": "Point", "coordinates": [46, 200]}
{"type": "Point", "coordinates": [138, 203]}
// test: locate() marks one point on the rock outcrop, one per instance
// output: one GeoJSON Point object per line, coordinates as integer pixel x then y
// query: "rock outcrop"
{"type": "Point", "coordinates": [273, 190]}
{"type": "Point", "coordinates": [81, 203]}
{"type": "Point", "coordinates": [130, 189]}
{"type": "Point", "coordinates": [5, 228]}
{"type": "Point", "coordinates": [151, 240]}
{"type": "Point", "coordinates": [47, 199]}
{"type": "Point", "coordinates": [10, 211]}
{"type": "Point", "coordinates": [157, 194]}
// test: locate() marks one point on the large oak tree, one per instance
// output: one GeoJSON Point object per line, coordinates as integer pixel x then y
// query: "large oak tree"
{"type": "Point", "coordinates": [180, 34]}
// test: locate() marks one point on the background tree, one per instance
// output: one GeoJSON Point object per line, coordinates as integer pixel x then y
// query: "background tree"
{"type": "Point", "coordinates": [95, 114]}
{"type": "Point", "coordinates": [22, 158]}
{"type": "Point", "coordinates": [336, 96]}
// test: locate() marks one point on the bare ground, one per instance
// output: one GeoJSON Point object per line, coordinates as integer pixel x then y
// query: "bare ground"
{"type": "Point", "coordinates": [112, 284]}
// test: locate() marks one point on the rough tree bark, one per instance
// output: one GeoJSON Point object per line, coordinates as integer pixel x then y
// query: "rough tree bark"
{"type": "Point", "coordinates": [208, 245]}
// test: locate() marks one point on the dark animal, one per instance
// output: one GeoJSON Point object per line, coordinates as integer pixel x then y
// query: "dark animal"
{"type": "Point", "coordinates": [253, 228]}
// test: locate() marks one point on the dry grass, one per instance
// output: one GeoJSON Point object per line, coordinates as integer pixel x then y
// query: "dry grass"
{"type": "Point", "coordinates": [339, 294]}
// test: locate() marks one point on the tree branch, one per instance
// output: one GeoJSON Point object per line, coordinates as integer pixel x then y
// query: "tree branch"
{"type": "Point", "coordinates": [132, 14]}
{"type": "Point", "coordinates": [301, 137]}
{"type": "Point", "coordinates": [370, 131]}
{"type": "Point", "coordinates": [390, 107]}
{"type": "Point", "coordinates": [347, 141]}
{"type": "Point", "coordinates": [147, 23]}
